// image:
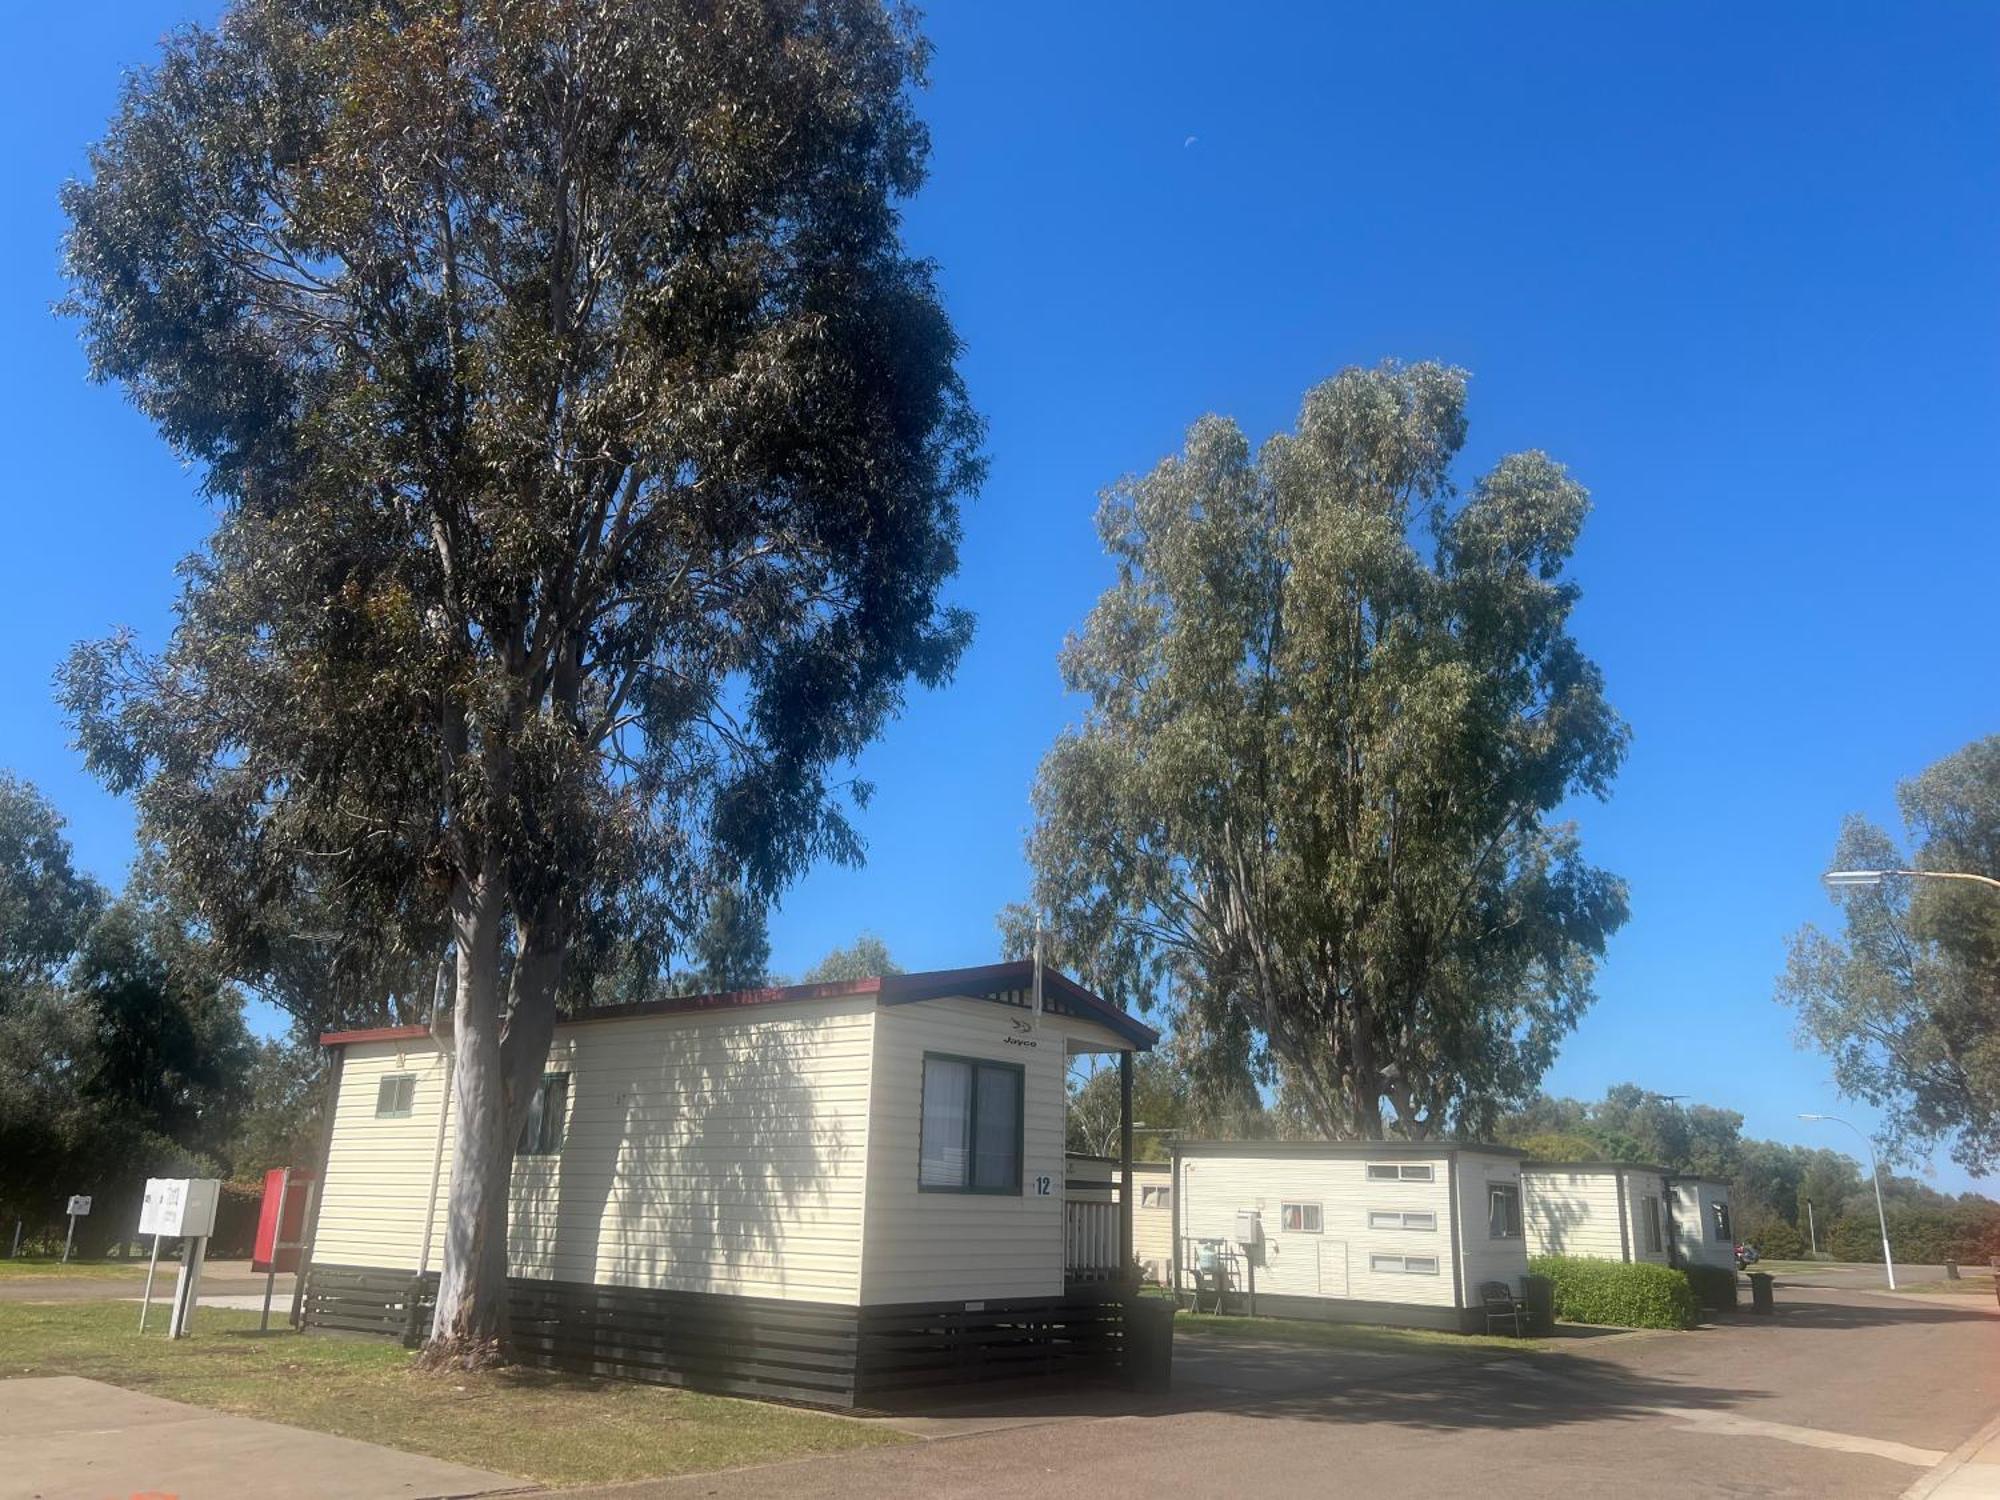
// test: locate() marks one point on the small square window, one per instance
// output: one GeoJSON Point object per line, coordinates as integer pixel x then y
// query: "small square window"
{"type": "Point", "coordinates": [542, 1131]}
{"type": "Point", "coordinates": [1300, 1218]}
{"type": "Point", "coordinates": [1722, 1222]}
{"type": "Point", "coordinates": [396, 1096]}
{"type": "Point", "coordinates": [1154, 1195]}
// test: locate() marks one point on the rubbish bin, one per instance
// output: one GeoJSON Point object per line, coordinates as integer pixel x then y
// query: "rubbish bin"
{"type": "Point", "coordinates": [1539, 1295]}
{"type": "Point", "coordinates": [1761, 1300]}
{"type": "Point", "coordinates": [1149, 1345]}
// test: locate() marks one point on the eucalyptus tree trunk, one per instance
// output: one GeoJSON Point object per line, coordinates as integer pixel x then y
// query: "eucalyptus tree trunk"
{"type": "Point", "coordinates": [500, 1045]}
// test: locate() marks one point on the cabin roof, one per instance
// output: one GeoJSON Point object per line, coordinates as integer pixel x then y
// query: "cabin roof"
{"type": "Point", "coordinates": [1004, 984]}
{"type": "Point", "coordinates": [1430, 1150]}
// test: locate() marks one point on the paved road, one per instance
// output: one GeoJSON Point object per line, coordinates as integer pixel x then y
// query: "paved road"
{"type": "Point", "coordinates": [218, 1278]}
{"type": "Point", "coordinates": [1844, 1395]}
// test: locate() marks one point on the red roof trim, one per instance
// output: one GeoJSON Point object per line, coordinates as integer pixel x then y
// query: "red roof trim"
{"type": "Point", "coordinates": [374, 1034]}
{"type": "Point", "coordinates": [895, 989]}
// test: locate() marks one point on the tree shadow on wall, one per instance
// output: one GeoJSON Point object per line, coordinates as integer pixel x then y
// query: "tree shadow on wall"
{"type": "Point", "coordinates": [703, 1158]}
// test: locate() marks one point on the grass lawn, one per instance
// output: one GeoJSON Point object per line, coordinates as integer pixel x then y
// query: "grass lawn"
{"type": "Point", "coordinates": [1974, 1281]}
{"type": "Point", "coordinates": [1363, 1336]}
{"type": "Point", "coordinates": [77, 1270]}
{"type": "Point", "coordinates": [555, 1429]}
{"type": "Point", "coordinates": [1795, 1267]}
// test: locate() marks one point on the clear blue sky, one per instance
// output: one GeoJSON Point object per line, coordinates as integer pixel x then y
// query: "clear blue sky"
{"type": "Point", "coordinates": [1734, 265]}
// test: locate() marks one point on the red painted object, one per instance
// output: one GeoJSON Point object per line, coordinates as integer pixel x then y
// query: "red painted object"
{"type": "Point", "coordinates": [281, 1221]}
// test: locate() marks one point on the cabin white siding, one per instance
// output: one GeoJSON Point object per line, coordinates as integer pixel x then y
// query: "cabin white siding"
{"type": "Point", "coordinates": [1702, 1242]}
{"type": "Point", "coordinates": [378, 1171]}
{"type": "Point", "coordinates": [1596, 1212]}
{"type": "Point", "coordinates": [711, 1152]}
{"type": "Point", "coordinates": [1487, 1256]}
{"type": "Point", "coordinates": [1153, 1219]}
{"type": "Point", "coordinates": [1574, 1211]}
{"type": "Point", "coordinates": [946, 1247]}
{"type": "Point", "coordinates": [1340, 1260]}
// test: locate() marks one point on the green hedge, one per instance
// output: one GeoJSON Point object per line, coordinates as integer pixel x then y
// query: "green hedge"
{"type": "Point", "coordinates": [1714, 1286]}
{"type": "Point", "coordinates": [1635, 1295]}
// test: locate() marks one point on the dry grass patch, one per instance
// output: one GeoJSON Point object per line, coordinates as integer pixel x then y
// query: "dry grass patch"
{"type": "Point", "coordinates": [554, 1429]}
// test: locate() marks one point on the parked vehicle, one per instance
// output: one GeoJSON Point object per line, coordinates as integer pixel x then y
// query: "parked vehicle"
{"type": "Point", "coordinates": [1746, 1255]}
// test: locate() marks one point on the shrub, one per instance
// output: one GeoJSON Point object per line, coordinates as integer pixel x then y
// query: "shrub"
{"type": "Point", "coordinates": [1614, 1292]}
{"type": "Point", "coordinates": [1714, 1286]}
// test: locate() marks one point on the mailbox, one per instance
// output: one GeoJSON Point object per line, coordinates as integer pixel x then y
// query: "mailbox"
{"type": "Point", "coordinates": [180, 1206]}
{"type": "Point", "coordinates": [281, 1220]}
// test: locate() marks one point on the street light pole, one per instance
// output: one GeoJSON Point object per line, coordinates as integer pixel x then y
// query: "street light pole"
{"type": "Point", "coordinates": [1848, 878]}
{"type": "Point", "coordinates": [1875, 1168]}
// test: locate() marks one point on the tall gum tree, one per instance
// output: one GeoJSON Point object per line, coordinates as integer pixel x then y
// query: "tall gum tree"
{"type": "Point", "coordinates": [1332, 705]}
{"type": "Point", "coordinates": [587, 450]}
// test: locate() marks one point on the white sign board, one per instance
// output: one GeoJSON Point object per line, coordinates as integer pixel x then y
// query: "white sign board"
{"type": "Point", "coordinates": [182, 1206]}
{"type": "Point", "coordinates": [80, 1205]}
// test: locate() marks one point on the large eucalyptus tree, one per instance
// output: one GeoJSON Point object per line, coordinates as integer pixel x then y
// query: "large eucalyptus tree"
{"type": "Point", "coordinates": [587, 449]}
{"type": "Point", "coordinates": [1332, 708]}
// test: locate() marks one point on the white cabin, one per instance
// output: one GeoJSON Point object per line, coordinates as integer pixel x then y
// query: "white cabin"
{"type": "Point", "coordinates": [1703, 1231]}
{"type": "Point", "coordinates": [1602, 1210]}
{"type": "Point", "coordinates": [885, 1144]}
{"type": "Point", "coordinates": [1354, 1231]}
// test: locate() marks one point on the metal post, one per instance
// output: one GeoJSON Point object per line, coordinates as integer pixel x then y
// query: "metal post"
{"type": "Point", "coordinates": [17, 1241]}
{"type": "Point", "coordinates": [69, 1238]}
{"type": "Point", "coordinates": [1812, 1230]}
{"type": "Point", "coordinates": [277, 1244]}
{"type": "Point", "coordinates": [1881, 1217]}
{"type": "Point", "coordinates": [189, 1290]}
{"type": "Point", "coordinates": [146, 1302]}
{"type": "Point", "coordinates": [1124, 1165]}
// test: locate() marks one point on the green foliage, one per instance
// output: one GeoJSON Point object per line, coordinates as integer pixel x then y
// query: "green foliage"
{"type": "Point", "coordinates": [1903, 1000]}
{"type": "Point", "coordinates": [1333, 708]}
{"type": "Point", "coordinates": [281, 1122]}
{"type": "Point", "coordinates": [588, 450]}
{"type": "Point", "coordinates": [732, 949]}
{"type": "Point", "coordinates": [1715, 1287]}
{"type": "Point", "coordinates": [45, 902]}
{"type": "Point", "coordinates": [1162, 1103]}
{"type": "Point", "coordinates": [1622, 1294]}
{"type": "Point", "coordinates": [866, 958]}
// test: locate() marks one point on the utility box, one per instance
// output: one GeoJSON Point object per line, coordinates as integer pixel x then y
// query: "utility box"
{"type": "Point", "coordinates": [1250, 1235]}
{"type": "Point", "coordinates": [180, 1206]}
{"type": "Point", "coordinates": [281, 1219]}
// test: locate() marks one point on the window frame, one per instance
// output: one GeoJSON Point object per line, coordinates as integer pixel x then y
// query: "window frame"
{"type": "Point", "coordinates": [1402, 1216]}
{"type": "Point", "coordinates": [968, 1189]}
{"type": "Point", "coordinates": [382, 1084]}
{"type": "Point", "coordinates": [1719, 1218]}
{"type": "Point", "coordinates": [1318, 1226]}
{"type": "Point", "coordinates": [1655, 1223]}
{"type": "Point", "coordinates": [1401, 1171]}
{"type": "Point", "coordinates": [1511, 1190]}
{"type": "Point", "coordinates": [1162, 1194]}
{"type": "Point", "coordinates": [536, 1149]}
{"type": "Point", "coordinates": [1402, 1266]}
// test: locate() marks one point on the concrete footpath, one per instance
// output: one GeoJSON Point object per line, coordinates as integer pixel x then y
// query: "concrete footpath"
{"type": "Point", "coordinates": [1970, 1472]}
{"type": "Point", "coordinates": [65, 1438]}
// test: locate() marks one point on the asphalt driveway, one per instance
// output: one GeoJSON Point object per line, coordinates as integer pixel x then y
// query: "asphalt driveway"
{"type": "Point", "coordinates": [1840, 1395]}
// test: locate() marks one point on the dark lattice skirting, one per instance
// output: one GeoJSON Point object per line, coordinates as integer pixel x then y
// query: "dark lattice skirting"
{"type": "Point", "coordinates": [814, 1352]}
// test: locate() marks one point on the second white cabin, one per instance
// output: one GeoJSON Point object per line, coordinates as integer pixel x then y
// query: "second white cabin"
{"type": "Point", "coordinates": [1392, 1232]}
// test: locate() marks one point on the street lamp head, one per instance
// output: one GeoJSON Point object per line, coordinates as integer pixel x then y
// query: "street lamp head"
{"type": "Point", "coordinates": [1812, 1117]}
{"type": "Point", "coordinates": [1842, 880]}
